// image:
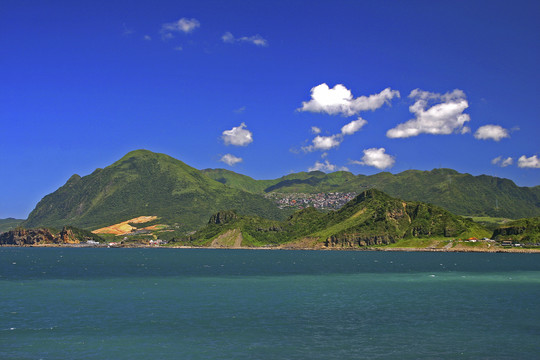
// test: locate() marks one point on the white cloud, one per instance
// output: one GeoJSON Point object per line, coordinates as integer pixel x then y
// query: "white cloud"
{"type": "Point", "coordinates": [147, 37]}
{"type": "Point", "coordinates": [178, 48]}
{"type": "Point", "coordinates": [329, 142]}
{"type": "Point", "coordinates": [183, 25]}
{"type": "Point", "coordinates": [339, 100]}
{"type": "Point", "coordinates": [502, 162]}
{"type": "Point", "coordinates": [529, 162]}
{"type": "Point", "coordinates": [240, 110]}
{"type": "Point", "coordinates": [465, 130]}
{"type": "Point", "coordinates": [353, 126]}
{"type": "Point", "coordinates": [496, 160]}
{"type": "Point", "coordinates": [443, 118]}
{"type": "Point", "coordinates": [238, 136]}
{"type": "Point", "coordinates": [228, 38]}
{"type": "Point", "coordinates": [230, 159]}
{"type": "Point", "coordinates": [493, 132]}
{"type": "Point", "coordinates": [326, 166]}
{"type": "Point", "coordinates": [324, 143]}
{"type": "Point", "coordinates": [255, 39]}
{"type": "Point", "coordinates": [506, 162]}
{"type": "Point", "coordinates": [377, 158]}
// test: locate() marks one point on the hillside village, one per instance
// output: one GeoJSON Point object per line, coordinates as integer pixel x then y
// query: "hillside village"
{"type": "Point", "coordinates": [322, 201]}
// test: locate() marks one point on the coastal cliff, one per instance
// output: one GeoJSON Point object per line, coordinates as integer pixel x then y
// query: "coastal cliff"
{"type": "Point", "coordinates": [44, 236]}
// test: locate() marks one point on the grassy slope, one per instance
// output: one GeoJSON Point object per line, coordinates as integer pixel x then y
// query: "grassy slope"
{"type": "Point", "coordinates": [372, 217]}
{"type": "Point", "coordinates": [144, 183]}
{"type": "Point", "coordinates": [524, 230]}
{"type": "Point", "coordinates": [9, 224]}
{"type": "Point", "coordinates": [459, 193]}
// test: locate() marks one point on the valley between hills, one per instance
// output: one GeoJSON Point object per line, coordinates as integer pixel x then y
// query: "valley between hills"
{"type": "Point", "coordinates": [151, 199]}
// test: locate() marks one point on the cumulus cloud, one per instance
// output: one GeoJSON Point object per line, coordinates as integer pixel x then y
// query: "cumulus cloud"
{"type": "Point", "coordinates": [324, 143]}
{"type": "Point", "coordinates": [500, 161]}
{"type": "Point", "coordinates": [230, 159]}
{"type": "Point", "coordinates": [491, 132]}
{"type": "Point", "coordinates": [377, 158]}
{"type": "Point", "coordinates": [326, 166]}
{"type": "Point", "coordinates": [444, 116]}
{"type": "Point", "coordinates": [257, 40]}
{"type": "Point", "coordinates": [339, 100]}
{"type": "Point", "coordinates": [238, 136]}
{"type": "Point", "coordinates": [353, 126]}
{"type": "Point", "coordinates": [329, 142]}
{"type": "Point", "coordinates": [529, 162]}
{"type": "Point", "coordinates": [183, 25]}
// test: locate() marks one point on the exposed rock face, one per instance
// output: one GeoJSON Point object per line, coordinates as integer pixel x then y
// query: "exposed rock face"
{"type": "Point", "coordinates": [24, 237]}
{"type": "Point", "coordinates": [223, 217]}
{"type": "Point", "coordinates": [29, 237]}
{"type": "Point", "coordinates": [354, 240]}
{"type": "Point", "coordinates": [66, 236]}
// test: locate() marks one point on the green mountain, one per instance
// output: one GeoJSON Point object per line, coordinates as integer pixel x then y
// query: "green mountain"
{"type": "Point", "coordinates": [9, 224]}
{"type": "Point", "coordinates": [459, 193]}
{"type": "Point", "coordinates": [523, 230]}
{"type": "Point", "coordinates": [372, 218]}
{"type": "Point", "coordinates": [144, 183]}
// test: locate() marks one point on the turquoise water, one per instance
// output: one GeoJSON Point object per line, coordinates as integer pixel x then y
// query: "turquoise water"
{"type": "Point", "coordinates": [66, 303]}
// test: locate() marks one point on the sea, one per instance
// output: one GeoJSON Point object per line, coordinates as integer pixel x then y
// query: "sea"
{"type": "Point", "coordinates": [142, 303]}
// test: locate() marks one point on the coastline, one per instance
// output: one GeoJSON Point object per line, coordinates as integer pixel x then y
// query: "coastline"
{"type": "Point", "coordinates": [384, 249]}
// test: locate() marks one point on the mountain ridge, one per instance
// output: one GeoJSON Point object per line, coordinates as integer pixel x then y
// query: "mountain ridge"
{"type": "Point", "coordinates": [146, 183]}
{"type": "Point", "coordinates": [372, 218]}
{"type": "Point", "coordinates": [464, 194]}
{"type": "Point", "coordinates": [143, 183]}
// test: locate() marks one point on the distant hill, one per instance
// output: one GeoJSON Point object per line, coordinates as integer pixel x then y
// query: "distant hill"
{"type": "Point", "coordinates": [144, 183]}
{"type": "Point", "coordinates": [462, 194]}
{"type": "Point", "coordinates": [523, 230]}
{"type": "Point", "coordinates": [9, 224]}
{"type": "Point", "coordinates": [372, 218]}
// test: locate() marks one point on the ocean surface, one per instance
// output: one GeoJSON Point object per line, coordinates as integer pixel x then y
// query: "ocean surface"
{"type": "Point", "coordinates": [89, 303]}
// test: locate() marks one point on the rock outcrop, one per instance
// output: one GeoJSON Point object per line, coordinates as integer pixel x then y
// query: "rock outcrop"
{"type": "Point", "coordinates": [43, 236]}
{"type": "Point", "coordinates": [27, 237]}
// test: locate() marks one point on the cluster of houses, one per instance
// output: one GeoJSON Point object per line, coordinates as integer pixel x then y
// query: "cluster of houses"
{"type": "Point", "coordinates": [505, 243]}
{"type": "Point", "coordinates": [152, 242]}
{"type": "Point", "coordinates": [330, 201]}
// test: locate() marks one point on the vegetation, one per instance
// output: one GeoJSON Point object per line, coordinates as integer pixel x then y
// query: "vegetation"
{"type": "Point", "coordinates": [9, 224]}
{"type": "Point", "coordinates": [523, 231]}
{"type": "Point", "coordinates": [462, 194]}
{"type": "Point", "coordinates": [372, 218]}
{"type": "Point", "coordinates": [144, 183]}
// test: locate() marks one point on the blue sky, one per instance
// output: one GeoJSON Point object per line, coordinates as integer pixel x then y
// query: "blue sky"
{"type": "Point", "coordinates": [266, 88]}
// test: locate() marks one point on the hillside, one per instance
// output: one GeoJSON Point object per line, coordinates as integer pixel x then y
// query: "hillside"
{"type": "Point", "coordinates": [522, 230]}
{"type": "Point", "coordinates": [462, 194]}
{"type": "Point", "coordinates": [9, 224]}
{"type": "Point", "coordinates": [144, 183]}
{"type": "Point", "coordinates": [372, 218]}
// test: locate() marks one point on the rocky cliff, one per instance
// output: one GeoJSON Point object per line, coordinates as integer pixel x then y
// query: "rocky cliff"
{"type": "Point", "coordinates": [43, 236]}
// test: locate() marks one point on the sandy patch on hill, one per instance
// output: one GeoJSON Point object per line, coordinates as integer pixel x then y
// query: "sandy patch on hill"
{"type": "Point", "coordinates": [124, 227]}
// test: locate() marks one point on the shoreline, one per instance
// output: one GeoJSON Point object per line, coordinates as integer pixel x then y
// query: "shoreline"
{"type": "Point", "coordinates": [383, 249]}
